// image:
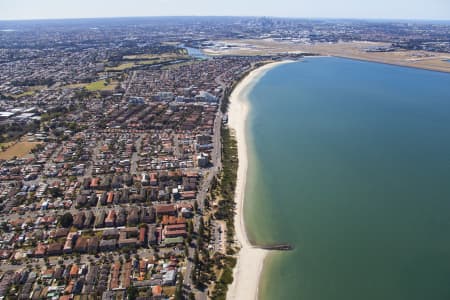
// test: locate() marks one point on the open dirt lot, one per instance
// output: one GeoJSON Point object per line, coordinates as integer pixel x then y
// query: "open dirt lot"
{"type": "Point", "coordinates": [19, 149]}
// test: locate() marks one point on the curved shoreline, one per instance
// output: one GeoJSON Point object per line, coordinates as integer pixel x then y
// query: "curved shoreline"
{"type": "Point", "coordinates": [250, 258]}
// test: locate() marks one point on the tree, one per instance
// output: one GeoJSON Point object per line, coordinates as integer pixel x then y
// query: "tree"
{"type": "Point", "coordinates": [195, 206]}
{"type": "Point", "coordinates": [194, 276]}
{"type": "Point", "coordinates": [196, 258]}
{"type": "Point", "coordinates": [66, 220]}
{"type": "Point", "coordinates": [56, 192]}
{"type": "Point", "coordinates": [201, 227]}
{"type": "Point", "coordinates": [132, 292]}
{"type": "Point", "coordinates": [190, 227]}
{"type": "Point", "coordinates": [4, 227]}
{"type": "Point", "coordinates": [179, 289]}
{"type": "Point", "coordinates": [200, 242]}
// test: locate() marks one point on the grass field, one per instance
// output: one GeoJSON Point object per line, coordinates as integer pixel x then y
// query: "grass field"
{"type": "Point", "coordinates": [149, 62]}
{"type": "Point", "coordinates": [145, 61]}
{"type": "Point", "coordinates": [74, 86]}
{"type": "Point", "coordinates": [37, 87]}
{"type": "Point", "coordinates": [185, 63]}
{"type": "Point", "coordinates": [19, 149]}
{"type": "Point", "coordinates": [141, 56]}
{"type": "Point", "coordinates": [101, 85]}
{"type": "Point", "coordinates": [27, 93]}
{"type": "Point", "coordinates": [181, 54]}
{"type": "Point", "coordinates": [121, 67]}
{"type": "Point", "coordinates": [5, 145]}
{"type": "Point", "coordinates": [159, 61]}
{"type": "Point", "coordinates": [30, 91]}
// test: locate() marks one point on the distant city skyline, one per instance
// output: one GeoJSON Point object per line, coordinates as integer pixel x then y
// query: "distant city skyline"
{"type": "Point", "coordinates": [352, 9]}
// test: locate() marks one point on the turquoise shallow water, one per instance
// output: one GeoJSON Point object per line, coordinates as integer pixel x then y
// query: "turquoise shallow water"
{"type": "Point", "coordinates": [350, 163]}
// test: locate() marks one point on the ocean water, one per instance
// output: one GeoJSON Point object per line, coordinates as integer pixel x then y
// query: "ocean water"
{"type": "Point", "coordinates": [349, 161]}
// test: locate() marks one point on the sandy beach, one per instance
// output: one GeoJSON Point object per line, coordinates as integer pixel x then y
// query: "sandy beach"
{"type": "Point", "coordinates": [250, 259]}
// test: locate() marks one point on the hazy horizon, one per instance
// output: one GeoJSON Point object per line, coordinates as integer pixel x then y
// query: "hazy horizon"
{"type": "Point", "coordinates": [435, 10]}
{"type": "Point", "coordinates": [228, 16]}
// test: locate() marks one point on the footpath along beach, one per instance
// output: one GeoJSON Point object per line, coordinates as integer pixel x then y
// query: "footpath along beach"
{"type": "Point", "coordinates": [250, 258]}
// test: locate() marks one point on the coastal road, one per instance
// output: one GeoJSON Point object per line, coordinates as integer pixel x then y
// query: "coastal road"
{"type": "Point", "coordinates": [203, 191]}
{"type": "Point", "coordinates": [215, 160]}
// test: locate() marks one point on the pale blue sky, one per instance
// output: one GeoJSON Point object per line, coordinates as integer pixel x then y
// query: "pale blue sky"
{"type": "Point", "coordinates": [374, 9]}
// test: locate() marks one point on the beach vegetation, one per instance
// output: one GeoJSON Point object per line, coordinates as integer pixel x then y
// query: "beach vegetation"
{"type": "Point", "coordinates": [227, 184]}
{"type": "Point", "coordinates": [223, 190]}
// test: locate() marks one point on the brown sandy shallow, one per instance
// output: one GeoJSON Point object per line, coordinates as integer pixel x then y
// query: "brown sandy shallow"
{"type": "Point", "coordinates": [356, 50]}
